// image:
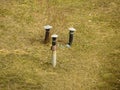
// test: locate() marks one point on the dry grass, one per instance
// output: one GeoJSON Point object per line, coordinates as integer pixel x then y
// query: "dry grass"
{"type": "Point", "coordinates": [87, 65]}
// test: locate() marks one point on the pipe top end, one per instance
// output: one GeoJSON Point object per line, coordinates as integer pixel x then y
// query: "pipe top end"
{"type": "Point", "coordinates": [72, 29]}
{"type": "Point", "coordinates": [54, 36]}
{"type": "Point", "coordinates": [47, 27]}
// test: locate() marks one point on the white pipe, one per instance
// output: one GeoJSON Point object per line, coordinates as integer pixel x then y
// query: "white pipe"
{"type": "Point", "coordinates": [53, 48]}
{"type": "Point", "coordinates": [54, 58]}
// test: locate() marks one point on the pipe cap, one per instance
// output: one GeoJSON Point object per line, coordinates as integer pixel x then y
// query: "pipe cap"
{"type": "Point", "coordinates": [72, 29]}
{"type": "Point", "coordinates": [54, 36]}
{"type": "Point", "coordinates": [47, 27]}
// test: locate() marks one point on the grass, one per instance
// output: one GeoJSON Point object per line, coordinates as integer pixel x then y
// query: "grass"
{"type": "Point", "coordinates": [92, 63]}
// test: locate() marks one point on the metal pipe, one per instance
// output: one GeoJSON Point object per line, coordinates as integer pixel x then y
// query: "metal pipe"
{"type": "Point", "coordinates": [47, 33]}
{"type": "Point", "coordinates": [71, 33]}
{"type": "Point", "coordinates": [53, 48]}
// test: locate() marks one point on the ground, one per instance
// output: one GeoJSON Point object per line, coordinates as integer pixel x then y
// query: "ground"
{"type": "Point", "coordinates": [92, 62]}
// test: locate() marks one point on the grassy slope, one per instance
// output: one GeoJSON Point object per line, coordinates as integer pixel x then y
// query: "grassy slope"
{"type": "Point", "coordinates": [89, 65]}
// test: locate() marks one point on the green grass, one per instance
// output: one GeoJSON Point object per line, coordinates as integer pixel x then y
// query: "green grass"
{"type": "Point", "coordinates": [92, 63]}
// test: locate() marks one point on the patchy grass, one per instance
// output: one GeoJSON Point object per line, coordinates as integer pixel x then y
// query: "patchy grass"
{"type": "Point", "coordinates": [92, 63]}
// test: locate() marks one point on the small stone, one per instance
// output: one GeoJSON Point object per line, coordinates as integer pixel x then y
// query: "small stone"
{"type": "Point", "coordinates": [89, 20]}
{"type": "Point", "coordinates": [68, 45]}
